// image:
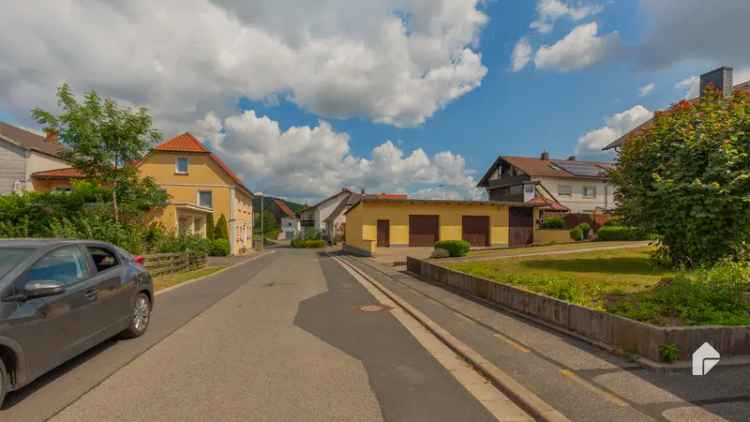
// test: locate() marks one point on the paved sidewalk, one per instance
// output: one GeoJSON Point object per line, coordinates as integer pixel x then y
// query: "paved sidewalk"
{"type": "Point", "coordinates": [580, 380]}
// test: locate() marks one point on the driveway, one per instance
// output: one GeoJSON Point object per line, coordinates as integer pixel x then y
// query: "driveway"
{"type": "Point", "coordinates": [281, 338]}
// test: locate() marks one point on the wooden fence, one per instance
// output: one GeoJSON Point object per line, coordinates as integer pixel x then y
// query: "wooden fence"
{"type": "Point", "coordinates": [166, 263]}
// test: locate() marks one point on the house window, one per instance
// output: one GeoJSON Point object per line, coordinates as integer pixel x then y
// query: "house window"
{"type": "Point", "coordinates": [181, 167]}
{"type": "Point", "coordinates": [206, 199]}
{"type": "Point", "coordinates": [589, 191]}
{"type": "Point", "coordinates": [564, 190]}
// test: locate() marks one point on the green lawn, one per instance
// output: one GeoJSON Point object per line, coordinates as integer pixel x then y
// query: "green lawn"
{"type": "Point", "coordinates": [169, 280]}
{"type": "Point", "coordinates": [627, 283]}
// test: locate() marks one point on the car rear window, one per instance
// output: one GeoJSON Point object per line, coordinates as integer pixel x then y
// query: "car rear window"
{"type": "Point", "coordinates": [11, 257]}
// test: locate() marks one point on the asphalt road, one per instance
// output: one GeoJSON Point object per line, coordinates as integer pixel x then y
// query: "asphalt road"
{"type": "Point", "coordinates": [280, 338]}
{"type": "Point", "coordinates": [579, 380]}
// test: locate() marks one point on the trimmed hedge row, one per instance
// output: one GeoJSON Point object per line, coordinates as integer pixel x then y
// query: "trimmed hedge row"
{"type": "Point", "coordinates": [454, 247]}
{"type": "Point", "coordinates": [619, 233]}
{"type": "Point", "coordinates": [301, 243]}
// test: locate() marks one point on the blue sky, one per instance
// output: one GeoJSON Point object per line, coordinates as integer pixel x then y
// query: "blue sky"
{"type": "Point", "coordinates": [304, 98]}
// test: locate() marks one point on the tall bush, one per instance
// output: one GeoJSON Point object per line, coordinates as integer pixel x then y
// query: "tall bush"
{"type": "Point", "coordinates": [221, 231]}
{"type": "Point", "coordinates": [687, 178]}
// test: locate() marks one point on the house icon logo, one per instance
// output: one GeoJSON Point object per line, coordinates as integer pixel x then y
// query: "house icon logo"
{"type": "Point", "coordinates": [704, 359]}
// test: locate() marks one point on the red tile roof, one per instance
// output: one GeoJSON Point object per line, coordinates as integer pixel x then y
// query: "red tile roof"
{"type": "Point", "coordinates": [182, 143]}
{"type": "Point", "coordinates": [284, 208]}
{"type": "Point", "coordinates": [66, 173]}
{"type": "Point", "coordinates": [30, 140]}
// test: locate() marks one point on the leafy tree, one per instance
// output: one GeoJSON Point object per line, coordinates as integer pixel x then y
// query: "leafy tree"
{"type": "Point", "coordinates": [103, 138]}
{"type": "Point", "coordinates": [270, 226]}
{"type": "Point", "coordinates": [687, 179]}
{"type": "Point", "coordinates": [220, 230]}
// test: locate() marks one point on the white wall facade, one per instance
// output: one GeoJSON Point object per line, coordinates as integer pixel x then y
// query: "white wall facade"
{"type": "Point", "coordinates": [12, 167]}
{"type": "Point", "coordinates": [577, 202]}
{"type": "Point", "coordinates": [41, 162]}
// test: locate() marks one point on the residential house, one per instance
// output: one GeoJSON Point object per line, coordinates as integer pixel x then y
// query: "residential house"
{"type": "Point", "coordinates": [199, 184]}
{"type": "Point", "coordinates": [376, 222]}
{"type": "Point", "coordinates": [329, 215]}
{"type": "Point", "coordinates": [572, 185]}
{"type": "Point", "coordinates": [22, 153]}
{"type": "Point", "coordinates": [721, 79]}
{"type": "Point", "coordinates": [290, 224]}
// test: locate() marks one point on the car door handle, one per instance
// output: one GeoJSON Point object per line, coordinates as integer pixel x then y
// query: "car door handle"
{"type": "Point", "coordinates": [91, 294]}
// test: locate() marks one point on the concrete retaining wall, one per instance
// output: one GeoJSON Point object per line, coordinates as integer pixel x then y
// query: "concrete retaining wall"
{"type": "Point", "coordinates": [623, 334]}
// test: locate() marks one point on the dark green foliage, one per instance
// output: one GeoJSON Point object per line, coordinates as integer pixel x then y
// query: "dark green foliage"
{"type": "Point", "coordinates": [585, 229]}
{"type": "Point", "coordinates": [619, 233]}
{"type": "Point", "coordinates": [702, 297]}
{"type": "Point", "coordinates": [454, 247]}
{"type": "Point", "coordinates": [300, 243]}
{"type": "Point", "coordinates": [669, 352]}
{"type": "Point", "coordinates": [219, 247]}
{"type": "Point", "coordinates": [687, 179]}
{"type": "Point", "coordinates": [210, 230]}
{"type": "Point", "coordinates": [553, 223]}
{"type": "Point", "coordinates": [576, 233]}
{"type": "Point", "coordinates": [616, 221]}
{"type": "Point", "coordinates": [221, 230]}
{"type": "Point", "coordinates": [313, 234]}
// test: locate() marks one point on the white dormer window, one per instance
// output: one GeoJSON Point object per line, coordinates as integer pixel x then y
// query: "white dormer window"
{"type": "Point", "coordinates": [181, 166]}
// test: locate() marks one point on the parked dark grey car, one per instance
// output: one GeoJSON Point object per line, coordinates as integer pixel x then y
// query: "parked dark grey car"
{"type": "Point", "coordinates": [59, 298]}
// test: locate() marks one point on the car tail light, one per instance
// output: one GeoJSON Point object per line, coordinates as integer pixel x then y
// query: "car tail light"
{"type": "Point", "coordinates": [139, 260]}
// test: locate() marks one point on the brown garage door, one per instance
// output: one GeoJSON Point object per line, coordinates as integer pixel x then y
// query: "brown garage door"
{"type": "Point", "coordinates": [384, 233]}
{"type": "Point", "coordinates": [476, 230]}
{"type": "Point", "coordinates": [424, 230]}
{"type": "Point", "coordinates": [521, 231]}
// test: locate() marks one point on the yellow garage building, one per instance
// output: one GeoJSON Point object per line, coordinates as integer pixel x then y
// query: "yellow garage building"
{"type": "Point", "coordinates": [375, 223]}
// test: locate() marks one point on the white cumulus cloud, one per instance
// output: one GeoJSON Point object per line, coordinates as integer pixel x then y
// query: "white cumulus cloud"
{"type": "Point", "coordinates": [521, 54]}
{"type": "Point", "coordinates": [646, 89]}
{"type": "Point", "coordinates": [581, 48]}
{"type": "Point", "coordinates": [590, 144]}
{"type": "Point", "coordinates": [391, 61]}
{"type": "Point", "coordinates": [306, 163]}
{"type": "Point", "coordinates": [550, 11]}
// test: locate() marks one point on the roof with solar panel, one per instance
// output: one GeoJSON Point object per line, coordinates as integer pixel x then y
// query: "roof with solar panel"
{"type": "Point", "coordinates": [543, 166]}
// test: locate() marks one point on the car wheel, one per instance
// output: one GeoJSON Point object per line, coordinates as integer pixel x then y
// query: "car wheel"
{"type": "Point", "coordinates": [140, 317]}
{"type": "Point", "coordinates": [4, 382]}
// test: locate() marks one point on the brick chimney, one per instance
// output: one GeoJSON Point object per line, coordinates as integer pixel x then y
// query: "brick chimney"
{"type": "Point", "coordinates": [51, 136]}
{"type": "Point", "coordinates": [544, 156]}
{"type": "Point", "coordinates": [721, 79]}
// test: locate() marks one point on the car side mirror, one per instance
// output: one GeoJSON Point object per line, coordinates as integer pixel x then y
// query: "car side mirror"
{"type": "Point", "coordinates": [43, 289]}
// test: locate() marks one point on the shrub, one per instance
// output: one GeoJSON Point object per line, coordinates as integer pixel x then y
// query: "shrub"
{"type": "Point", "coordinates": [553, 223]}
{"type": "Point", "coordinates": [313, 234]}
{"type": "Point", "coordinates": [301, 243]}
{"type": "Point", "coordinates": [454, 247]}
{"type": "Point", "coordinates": [669, 352]}
{"type": "Point", "coordinates": [585, 228]}
{"type": "Point", "coordinates": [619, 233]}
{"type": "Point", "coordinates": [576, 233]}
{"type": "Point", "coordinates": [219, 247]}
{"type": "Point", "coordinates": [615, 221]}
{"type": "Point", "coordinates": [220, 230]}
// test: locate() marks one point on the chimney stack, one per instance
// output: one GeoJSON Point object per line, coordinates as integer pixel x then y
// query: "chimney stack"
{"type": "Point", "coordinates": [572, 158]}
{"type": "Point", "coordinates": [545, 156]}
{"type": "Point", "coordinates": [51, 136]}
{"type": "Point", "coordinates": [721, 79]}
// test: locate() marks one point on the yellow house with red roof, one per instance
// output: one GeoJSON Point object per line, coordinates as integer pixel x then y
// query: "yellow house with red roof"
{"type": "Point", "coordinates": [199, 184]}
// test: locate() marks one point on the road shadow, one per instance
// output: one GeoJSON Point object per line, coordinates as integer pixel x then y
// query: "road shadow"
{"type": "Point", "coordinates": [16, 397]}
{"type": "Point", "coordinates": [409, 384]}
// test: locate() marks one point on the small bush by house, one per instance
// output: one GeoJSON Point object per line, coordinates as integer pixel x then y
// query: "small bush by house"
{"type": "Point", "coordinates": [300, 243]}
{"type": "Point", "coordinates": [619, 233]}
{"type": "Point", "coordinates": [553, 223]}
{"type": "Point", "coordinates": [219, 247]}
{"type": "Point", "coordinates": [454, 247]}
{"type": "Point", "coordinates": [576, 233]}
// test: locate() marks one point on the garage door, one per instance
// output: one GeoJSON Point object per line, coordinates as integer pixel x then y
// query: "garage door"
{"type": "Point", "coordinates": [476, 230]}
{"type": "Point", "coordinates": [521, 231]}
{"type": "Point", "coordinates": [424, 230]}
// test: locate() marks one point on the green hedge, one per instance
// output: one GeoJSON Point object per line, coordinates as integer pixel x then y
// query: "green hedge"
{"type": "Point", "coordinates": [576, 233]}
{"type": "Point", "coordinates": [619, 233]}
{"type": "Point", "coordinates": [553, 223]}
{"type": "Point", "coordinates": [454, 247]}
{"type": "Point", "coordinates": [219, 247]}
{"type": "Point", "coordinates": [300, 243]}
